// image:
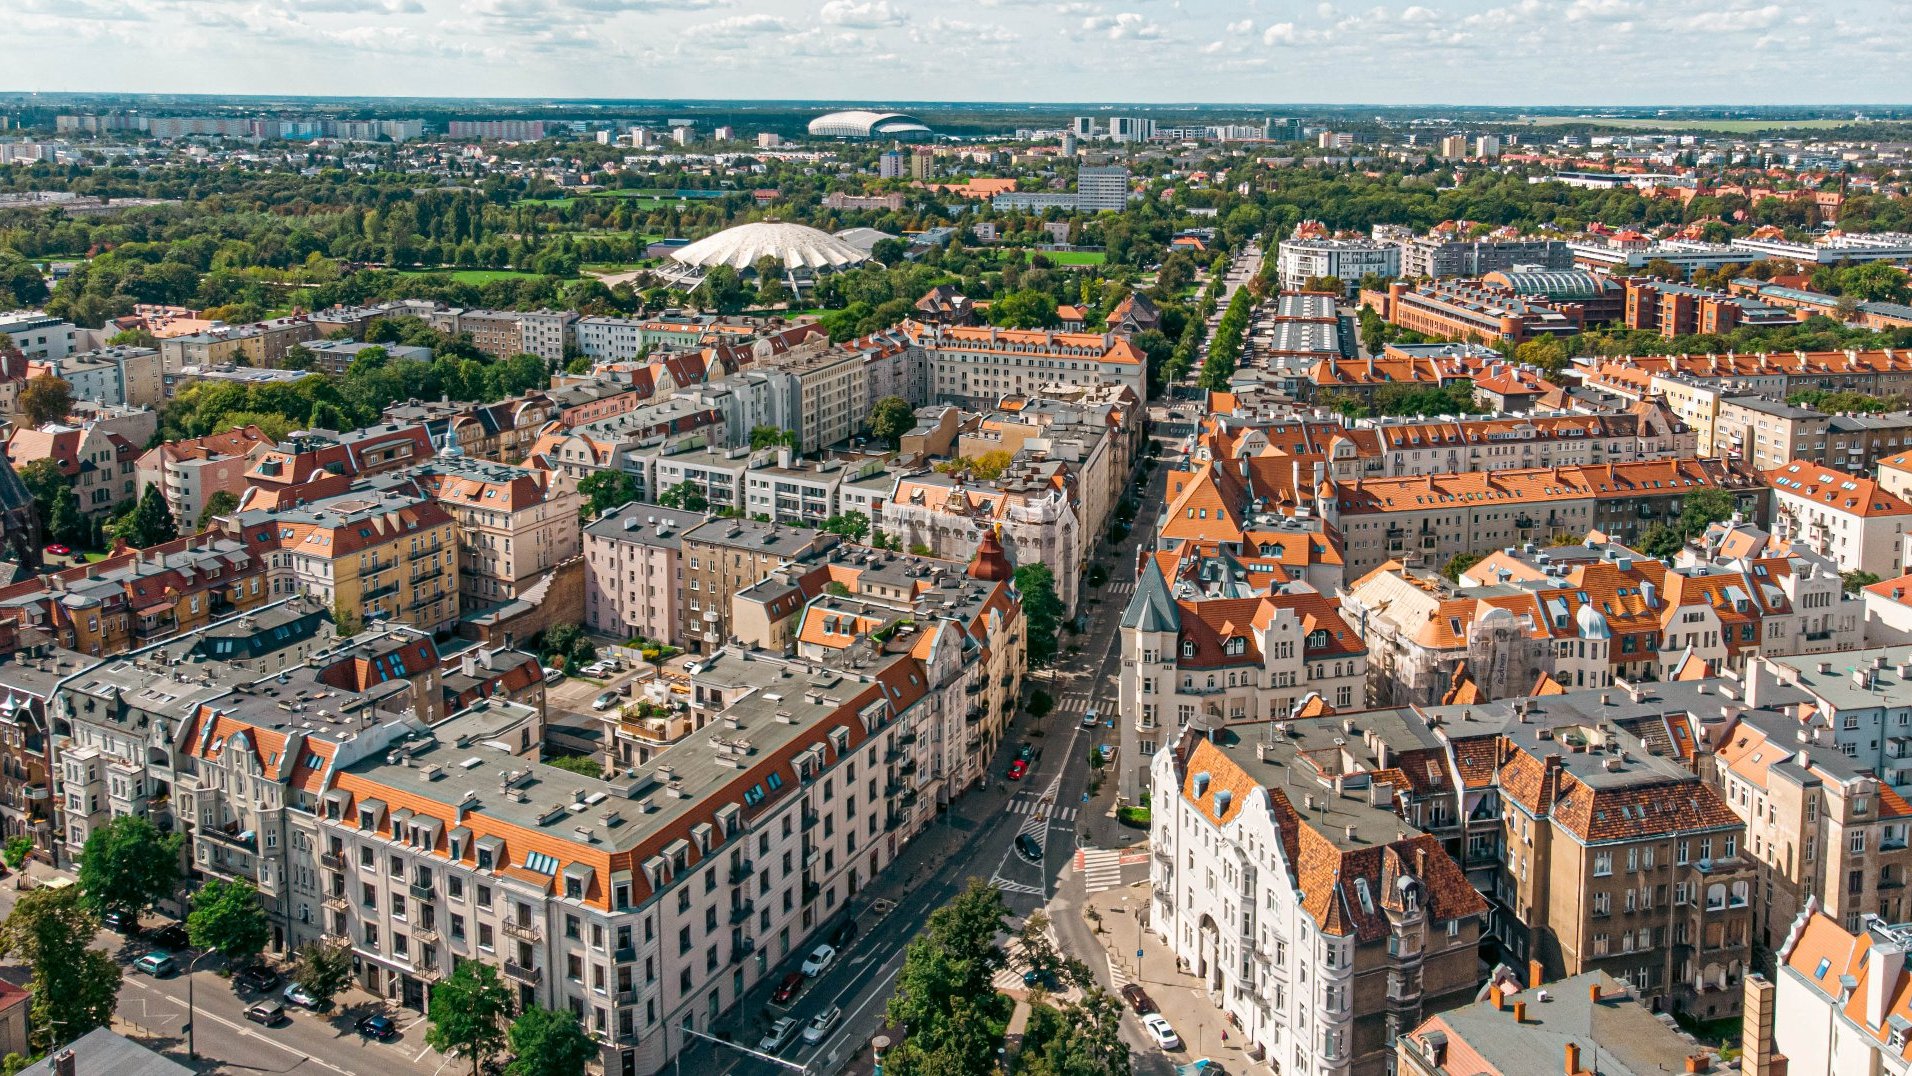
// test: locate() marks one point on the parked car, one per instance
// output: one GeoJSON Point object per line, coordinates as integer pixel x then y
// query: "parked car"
{"type": "Point", "coordinates": [779, 1033]}
{"type": "Point", "coordinates": [297, 995]}
{"type": "Point", "coordinates": [257, 978]}
{"type": "Point", "coordinates": [1027, 847]}
{"type": "Point", "coordinates": [378, 1026]}
{"type": "Point", "coordinates": [157, 965]}
{"type": "Point", "coordinates": [1089, 720]}
{"type": "Point", "coordinates": [551, 675]}
{"type": "Point", "coordinates": [605, 701]}
{"type": "Point", "coordinates": [1161, 1031]}
{"type": "Point", "coordinates": [120, 923]}
{"type": "Point", "coordinates": [269, 1013]}
{"type": "Point", "coordinates": [1108, 753]}
{"type": "Point", "coordinates": [1026, 753]}
{"type": "Point", "coordinates": [1139, 999]}
{"type": "Point", "coordinates": [1042, 977]}
{"type": "Point", "coordinates": [844, 934]}
{"type": "Point", "coordinates": [819, 961]}
{"type": "Point", "coordinates": [58, 550]}
{"type": "Point", "coordinates": [819, 1027]}
{"type": "Point", "coordinates": [172, 936]}
{"type": "Point", "coordinates": [1017, 769]}
{"type": "Point", "coordinates": [788, 990]}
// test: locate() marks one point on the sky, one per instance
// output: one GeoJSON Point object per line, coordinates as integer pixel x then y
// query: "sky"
{"type": "Point", "coordinates": [1493, 52]}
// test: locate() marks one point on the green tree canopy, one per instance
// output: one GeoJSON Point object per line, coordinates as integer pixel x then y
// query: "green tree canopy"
{"type": "Point", "coordinates": [75, 987]}
{"type": "Point", "coordinates": [1027, 309]}
{"type": "Point", "coordinates": [221, 503]}
{"type": "Point", "coordinates": [228, 919]}
{"type": "Point", "coordinates": [945, 991]}
{"type": "Point", "coordinates": [45, 399]}
{"type": "Point", "coordinates": [852, 525]}
{"type": "Point", "coordinates": [467, 1013]}
{"type": "Point", "coordinates": [762, 437]}
{"type": "Point", "coordinates": [1041, 610]}
{"type": "Point", "coordinates": [683, 495]}
{"type": "Point", "coordinates": [545, 1042]}
{"type": "Point", "coordinates": [128, 864]}
{"type": "Point", "coordinates": [891, 418]}
{"type": "Point", "coordinates": [323, 971]}
{"type": "Point", "coordinates": [152, 520]}
{"type": "Point", "coordinates": [605, 490]}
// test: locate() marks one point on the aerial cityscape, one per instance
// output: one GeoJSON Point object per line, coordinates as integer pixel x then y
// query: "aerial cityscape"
{"type": "Point", "coordinates": [513, 566]}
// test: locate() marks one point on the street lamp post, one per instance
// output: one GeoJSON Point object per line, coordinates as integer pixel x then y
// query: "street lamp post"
{"type": "Point", "coordinates": [192, 1014]}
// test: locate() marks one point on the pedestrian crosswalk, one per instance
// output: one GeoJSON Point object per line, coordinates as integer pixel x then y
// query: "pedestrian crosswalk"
{"type": "Point", "coordinates": [1019, 805]}
{"type": "Point", "coordinates": [1009, 886]}
{"type": "Point", "coordinates": [1101, 868]}
{"type": "Point", "coordinates": [1009, 976]}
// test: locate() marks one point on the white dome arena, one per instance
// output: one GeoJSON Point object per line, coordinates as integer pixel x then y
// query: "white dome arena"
{"type": "Point", "coordinates": [794, 246]}
{"type": "Point", "coordinates": [862, 123]}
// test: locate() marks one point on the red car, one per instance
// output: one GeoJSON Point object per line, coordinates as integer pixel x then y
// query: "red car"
{"type": "Point", "coordinates": [58, 550]}
{"type": "Point", "coordinates": [1017, 769]}
{"type": "Point", "coordinates": [787, 990]}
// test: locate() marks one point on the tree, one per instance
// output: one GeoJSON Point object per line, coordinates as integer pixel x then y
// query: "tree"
{"type": "Point", "coordinates": [1546, 352]}
{"type": "Point", "coordinates": [1033, 943]}
{"type": "Point", "coordinates": [221, 503]}
{"type": "Point", "coordinates": [762, 437]}
{"type": "Point", "coordinates": [227, 918]}
{"type": "Point", "coordinates": [605, 490]}
{"type": "Point", "coordinates": [545, 1042]}
{"type": "Point", "coordinates": [685, 496]}
{"type": "Point", "coordinates": [323, 971]}
{"type": "Point", "coordinates": [75, 988]}
{"type": "Point", "coordinates": [1701, 509]}
{"type": "Point", "coordinates": [1026, 309]}
{"type": "Point", "coordinates": [45, 399]}
{"type": "Point", "coordinates": [722, 290]}
{"type": "Point", "coordinates": [1857, 580]}
{"type": "Point", "coordinates": [346, 620]}
{"type": "Point", "coordinates": [1083, 1039]}
{"type": "Point", "coordinates": [891, 418]}
{"type": "Point", "coordinates": [945, 991]}
{"type": "Point", "coordinates": [1041, 611]}
{"type": "Point", "coordinates": [468, 1010]}
{"type": "Point", "coordinates": [1457, 564]}
{"type": "Point", "coordinates": [16, 851]}
{"type": "Point", "coordinates": [128, 864]}
{"type": "Point", "coordinates": [152, 521]}
{"type": "Point", "coordinates": [852, 525]}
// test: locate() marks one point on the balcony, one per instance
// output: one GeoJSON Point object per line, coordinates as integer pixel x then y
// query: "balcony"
{"type": "Point", "coordinates": [422, 553]}
{"type": "Point", "coordinates": [379, 592]}
{"type": "Point", "coordinates": [742, 910]}
{"type": "Point", "coordinates": [231, 835]}
{"type": "Point", "coordinates": [1818, 636]}
{"type": "Point", "coordinates": [526, 932]}
{"type": "Point", "coordinates": [425, 935]}
{"type": "Point", "coordinates": [332, 861]}
{"type": "Point", "coordinates": [519, 973]}
{"type": "Point", "coordinates": [423, 891]}
{"type": "Point", "coordinates": [336, 941]}
{"type": "Point", "coordinates": [337, 903]}
{"type": "Point", "coordinates": [741, 871]}
{"type": "Point", "coordinates": [624, 954]}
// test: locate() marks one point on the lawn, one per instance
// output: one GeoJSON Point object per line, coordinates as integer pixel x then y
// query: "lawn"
{"type": "Point", "coordinates": [475, 276]}
{"type": "Point", "coordinates": [1069, 257]}
{"type": "Point", "coordinates": [1731, 126]}
{"type": "Point", "coordinates": [618, 267]}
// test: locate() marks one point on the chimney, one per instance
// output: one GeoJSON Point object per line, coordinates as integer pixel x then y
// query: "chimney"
{"type": "Point", "coordinates": [64, 1062]}
{"type": "Point", "coordinates": [1699, 1063]}
{"type": "Point", "coordinates": [1761, 1056]}
{"type": "Point", "coordinates": [1593, 993]}
{"type": "Point", "coordinates": [1520, 1012]}
{"type": "Point", "coordinates": [1493, 995]}
{"type": "Point", "coordinates": [1572, 1066]}
{"type": "Point", "coordinates": [1534, 975]}
{"type": "Point", "coordinates": [1883, 964]}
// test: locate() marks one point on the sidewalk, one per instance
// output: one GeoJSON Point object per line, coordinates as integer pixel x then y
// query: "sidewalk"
{"type": "Point", "coordinates": [1181, 997]}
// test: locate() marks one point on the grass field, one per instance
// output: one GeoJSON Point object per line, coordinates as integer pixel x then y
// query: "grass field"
{"type": "Point", "coordinates": [1731, 126]}
{"type": "Point", "coordinates": [1068, 257]}
{"type": "Point", "coordinates": [617, 267]}
{"type": "Point", "coordinates": [474, 276]}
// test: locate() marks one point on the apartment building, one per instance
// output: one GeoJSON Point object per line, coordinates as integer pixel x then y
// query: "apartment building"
{"type": "Point", "coordinates": [827, 389]}
{"type": "Point", "coordinates": [31, 671]}
{"type": "Point", "coordinates": [99, 463]}
{"type": "Point", "coordinates": [136, 598]}
{"type": "Point", "coordinates": [260, 344]}
{"type": "Point", "coordinates": [634, 572]}
{"type": "Point", "coordinates": [1441, 256]}
{"type": "Point", "coordinates": [189, 472]}
{"type": "Point", "coordinates": [378, 553]}
{"type": "Point", "coordinates": [722, 557]}
{"type": "Point", "coordinates": [1877, 373]}
{"type": "Point", "coordinates": [336, 356]}
{"type": "Point", "coordinates": [1322, 923]}
{"type": "Point", "coordinates": [502, 431]}
{"type": "Point", "coordinates": [1438, 516]}
{"type": "Point", "coordinates": [39, 336]}
{"type": "Point", "coordinates": [1768, 433]}
{"type": "Point", "coordinates": [1400, 447]}
{"type": "Point", "coordinates": [514, 523]}
{"type": "Point", "coordinates": [1465, 310]}
{"type": "Point", "coordinates": [1841, 516]}
{"type": "Point", "coordinates": [115, 376]}
{"type": "Point", "coordinates": [1581, 1024]}
{"type": "Point", "coordinates": [1838, 1002]}
{"type": "Point", "coordinates": [1298, 261]}
{"type": "Point", "coordinates": [1597, 845]}
{"type": "Point", "coordinates": [1033, 507]}
{"type": "Point", "coordinates": [1861, 700]}
{"type": "Point", "coordinates": [1819, 825]}
{"type": "Point", "coordinates": [1205, 646]}
{"type": "Point", "coordinates": [974, 366]}
{"type": "Point", "coordinates": [320, 462]}
{"type": "Point", "coordinates": [1672, 309]}
{"type": "Point", "coordinates": [659, 426]}
{"type": "Point", "coordinates": [494, 332]}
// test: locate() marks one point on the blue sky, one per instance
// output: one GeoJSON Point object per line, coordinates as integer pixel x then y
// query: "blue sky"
{"type": "Point", "coordinates": [1263, 51]}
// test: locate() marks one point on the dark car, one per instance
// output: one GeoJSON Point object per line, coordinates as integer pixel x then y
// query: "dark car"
{"type": "Point", "coordinates": [1042, 977]}
{"type": "Point", "coordinates": [257, 978]}
{"type": "Point", "coordinates": [378, 1027]}
{"type": "Point", "coordinates": [120, 923]}
{"type": "Point", "coordinates": [269, 1013]}
{"type": "Point", "coordinates": [172, 936]}
{"type": "Point", "coordinates": [1138, 999]}
{"type": "Point", "coordinates": [787, 990]}
{"type": "Point", "coordinates": [1028, 848]}
{"type": "Point", "coordinates": [844, 934]}
{"type": "Point", "coordinates": [1026, 753]}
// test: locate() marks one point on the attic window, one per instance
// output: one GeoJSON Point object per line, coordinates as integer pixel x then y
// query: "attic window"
{"type": "Point", "coordinates": [1188, 648]}
{"type": "Point", "coordinates": [1361, 891]}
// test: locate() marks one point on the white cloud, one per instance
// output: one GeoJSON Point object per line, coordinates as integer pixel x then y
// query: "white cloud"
{"type": "Point", "coordinates": [1128, 24]}
{"type": "Point", "coordinates": [1245, 26]}
{"type": "Point", "coordinates": [867, 15]}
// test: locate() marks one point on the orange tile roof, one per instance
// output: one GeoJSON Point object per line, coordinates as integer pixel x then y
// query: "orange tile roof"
{"type": "Point", "coordinates": [1824, 487]}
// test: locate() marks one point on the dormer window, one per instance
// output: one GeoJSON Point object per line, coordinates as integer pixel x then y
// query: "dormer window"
{"type": "Point", "coordinates": [1235, 646]}
{"type": "Point", "coordinates": [1188, 648]}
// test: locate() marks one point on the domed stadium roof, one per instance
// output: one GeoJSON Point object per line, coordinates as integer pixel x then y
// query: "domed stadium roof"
{"type": "Point", "coordinates": [862, 123]}
{"type": "Point", "coordinates": [793, 245]}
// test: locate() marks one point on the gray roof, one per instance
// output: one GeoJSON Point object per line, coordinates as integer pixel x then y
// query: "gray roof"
{"type": "Point", "coordinates": [1616, 1035]}
{"type": "Point", "coordinates": [1838, 688]}
{"type": "Point", "coordinates": [1152, 608]}
{"type": "Point", "coordinates": [646, 524]}
{"type": "Point", "coordinates": [101, 1052]}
